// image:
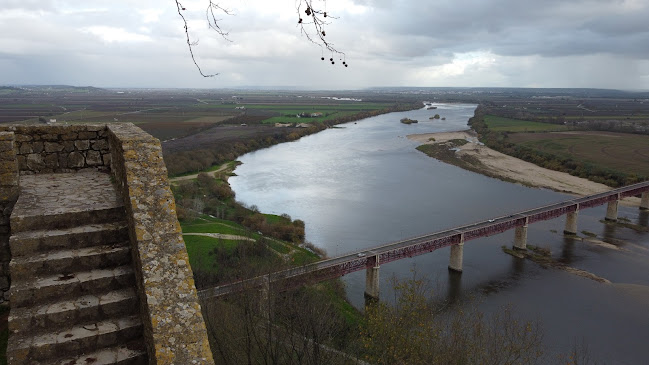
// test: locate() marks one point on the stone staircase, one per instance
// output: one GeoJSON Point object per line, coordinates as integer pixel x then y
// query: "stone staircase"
{"type": "Point", "coordinates": [72, 296]}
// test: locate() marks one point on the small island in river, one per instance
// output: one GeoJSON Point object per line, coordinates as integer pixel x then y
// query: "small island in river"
{"type": "Point", "coordinates": [408, 121]}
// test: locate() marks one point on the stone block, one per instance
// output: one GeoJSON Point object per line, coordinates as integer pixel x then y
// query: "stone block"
{"type": "Point", "coordinates": [22, 161]}
{"type": "Point", "coordinates": [82, 145]}
{"type": "Point", "coordinates": [9, 166]}
{"type": "Point", "coordinates": [24, 137]}
{"type": "Point", "coordinates": [7, 136]}
{"type": "Point", "coordinates": [52, 161]}
{"type": "Point", "coordinates": [51, 137]}
{"type": "Point", "coordinates": [37, 147]}
{"type": "Point", "coordinates": [87, 135]}
{"type": "Point", "coordinates": [34, 162]}
{"type": "Point", "coordinates": [99, 128]}
{"type": "Point", "coordinates": [51, 147]}
{"type": "Point", "coordinates": [99, 144]}
{"type": "Point", "coordinates": [63, 160]}
{"type": "Point", "coordinates": [8, 178]}
{"type": "Point", "coordinates": [9, 194]}
{"type": "Point", "coordinates": [70, 136]}
{"type": "Point", "coordinates": [4, 283]}
{"type": "Point", "coordinates": [25, 148]}
{"type": "Point", "coordinates": [76, 160]}
{"type": "Point", "coordinates": [93, 158]}
{"type": "Point", "coordinates": [68, 146]}
{"type": "Point", "coordinates": [6, 145]}
{"type": "Point", "coordinates": [106, 158]}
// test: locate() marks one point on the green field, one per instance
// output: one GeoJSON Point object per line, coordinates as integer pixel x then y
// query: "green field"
{"type": "Point", "coordinates": [623, 152]}
{"type": "Point", "coordinates": [294, 119]}
{"type": "Point", "coordinates": [501, 124]}
{"type": "Point", "coordinates": [199, 248]}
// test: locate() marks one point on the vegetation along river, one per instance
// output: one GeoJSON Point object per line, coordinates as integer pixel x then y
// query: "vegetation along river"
{"type": "Point", "coordinates": [365, 184]}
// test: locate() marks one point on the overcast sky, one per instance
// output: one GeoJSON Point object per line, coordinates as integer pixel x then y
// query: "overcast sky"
{"type": "Point", "coordinates": [482, 43]}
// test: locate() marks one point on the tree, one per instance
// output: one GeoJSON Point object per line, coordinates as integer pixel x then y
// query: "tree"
{"type": "Point", "coordinates": [416, 331]}
{"type": "Point", "coordinates": [311, 21]}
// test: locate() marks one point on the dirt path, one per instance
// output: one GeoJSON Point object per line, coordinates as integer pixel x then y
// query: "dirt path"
{"type": "Point", "coordinates": [191, 177]}
{"type": "Point", "coordinates": [221, 236]}
{"type": "Point", "coordinates": [514, 169]}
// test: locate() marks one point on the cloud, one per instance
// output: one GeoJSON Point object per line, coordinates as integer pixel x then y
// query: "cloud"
{"type": "Point", "coordinates": [586, 43]}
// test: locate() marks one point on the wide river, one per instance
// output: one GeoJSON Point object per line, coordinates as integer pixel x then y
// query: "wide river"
{"type": "Point", "coordinates": [365, 184]}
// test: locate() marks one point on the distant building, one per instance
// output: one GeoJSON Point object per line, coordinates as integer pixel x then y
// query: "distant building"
{"type": "Point", "coordinates": [309, 115]}
{"type": "Point", "coordinates": [282, 125]}
{"type": "Point", "coordinates": [241, 107]}
{"type": "Point", "coordinates": [302, 125]}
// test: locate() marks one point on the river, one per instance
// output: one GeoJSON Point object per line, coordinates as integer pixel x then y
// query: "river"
{"type": "Point", "coordinates": [364, 184]}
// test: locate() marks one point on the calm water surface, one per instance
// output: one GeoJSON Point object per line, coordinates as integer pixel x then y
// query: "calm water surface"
{"type": "Point", "coordinates": [365, 184]}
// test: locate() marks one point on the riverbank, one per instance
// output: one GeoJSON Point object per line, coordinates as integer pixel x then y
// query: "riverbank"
{"type": "Point", "coordinates": [474, 156]}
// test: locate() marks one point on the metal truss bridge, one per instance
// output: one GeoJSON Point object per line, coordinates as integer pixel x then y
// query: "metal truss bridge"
{"type": "Point", "coordinates": [370, 258]}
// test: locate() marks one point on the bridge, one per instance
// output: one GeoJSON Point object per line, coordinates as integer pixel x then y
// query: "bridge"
{"type": "Point", "coordinates": [370, 259]}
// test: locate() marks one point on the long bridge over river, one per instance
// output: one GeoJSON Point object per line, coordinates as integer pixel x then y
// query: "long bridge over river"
{"type": "Point", "coordinates": [370, 259]}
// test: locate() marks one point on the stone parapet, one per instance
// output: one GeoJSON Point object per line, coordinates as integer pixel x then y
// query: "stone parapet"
{"type": "Point", "coordinates": [65, 148]}
{"type": "Point", "coordinates": [8, 196]}
{"type": "Point", "coordinates": [174, 329]}
{"type": "Point", "coordinates": [173, 324]}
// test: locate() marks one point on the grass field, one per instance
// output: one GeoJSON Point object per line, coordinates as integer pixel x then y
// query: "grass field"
{"type": "Point", "coordinates": [199, 248]}
{"type": "Point", "coordinates": [617, 151]}
{"type": "Point", "coordinates": [501, 124]}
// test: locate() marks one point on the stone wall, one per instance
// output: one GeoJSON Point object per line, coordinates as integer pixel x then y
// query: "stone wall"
{"type": "Point", "coordinates": [174, 329]}
{"type": "Point", "coordinates": [8, 197]}
{"type": "Point", "coordinates": [49, 148]}
{"type": "Point", "coordinates": [173, 323]}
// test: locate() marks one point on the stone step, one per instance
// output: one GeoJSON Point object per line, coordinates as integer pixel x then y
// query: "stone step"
{"type": "Point", "coordinates": [70, 261]}
{"type": "Point", "coordinates": [55, 201]}
{"type": "Point", "coordinates": [69, 219]}
{"type": "Point", "coordinates": [74, 341]}
{"type": "Point", "coordinates": [67, 286]}
{"type": "Point", "coordinates": [84, 309]}
{"type": "Point", "coordinates": [133, 353]}
{"type": "Point", "coordinates": [31, 242]}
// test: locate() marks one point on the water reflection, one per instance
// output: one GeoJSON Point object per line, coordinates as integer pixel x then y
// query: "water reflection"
{"type": "Point", "coordinates": [609, 232]}
{"type": "Point", "coordinates": [643, 218]}
{"type": "Point", "coordinates": [454, 288]}
{"type": "Point", "coordinates": [568, 250]}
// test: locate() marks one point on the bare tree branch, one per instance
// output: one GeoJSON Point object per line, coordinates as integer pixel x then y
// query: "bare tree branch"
{"type": "Point", "coordinates": [312, 27]}
{"type": "Point", "coordinates": [316, 18]}
{"type": "Point", "coordinates": [212, 21]}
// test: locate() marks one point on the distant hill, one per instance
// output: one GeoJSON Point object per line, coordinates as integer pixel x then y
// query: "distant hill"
{"type": "Point", "coordinates": [31, 89]}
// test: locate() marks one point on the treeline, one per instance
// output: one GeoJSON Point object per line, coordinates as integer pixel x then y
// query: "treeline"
{"type": "Point", "coordinates": [212, 196]}
{"type": "Point", "coordinates": [499, 141]}
{"type": "Point", "coordinates": [182, 162]}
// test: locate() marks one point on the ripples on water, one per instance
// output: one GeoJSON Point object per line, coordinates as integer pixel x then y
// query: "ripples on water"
{"type": "Point", "coordinates": [365, 184]}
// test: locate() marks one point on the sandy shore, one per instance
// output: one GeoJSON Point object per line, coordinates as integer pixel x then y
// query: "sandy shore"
{"type": "Point", "coordinates": [511, 168]}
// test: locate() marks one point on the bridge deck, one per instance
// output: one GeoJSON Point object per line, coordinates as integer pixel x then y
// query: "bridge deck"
{"type": "Point", "coordinates": [360, 260]}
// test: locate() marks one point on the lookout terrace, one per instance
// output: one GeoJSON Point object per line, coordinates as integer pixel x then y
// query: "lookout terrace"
{"type": "Point", "coordinates": [94, 266]}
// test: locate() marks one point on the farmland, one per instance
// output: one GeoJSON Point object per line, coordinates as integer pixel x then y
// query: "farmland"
{"type": "Point", "coordinates": [627, 153]}
{"type": "Point", "coordinates": [170, 115]}
{"type": "Point", "coordinates": [502, 124]}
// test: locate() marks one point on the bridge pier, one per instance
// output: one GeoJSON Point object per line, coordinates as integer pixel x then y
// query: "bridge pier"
{"type": "Point", "coordinates": [520, 237]}
{"type": "Point", "coordinates": [644, 201]}
{"type": "Point", "coordinates": [372, 282]}
{"type": "Point", "coordinates": [611, 211]}
{"type": "Point", "coordinates": [571, 222]}
{"type": "Point", "coordinates": [457, 256]}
